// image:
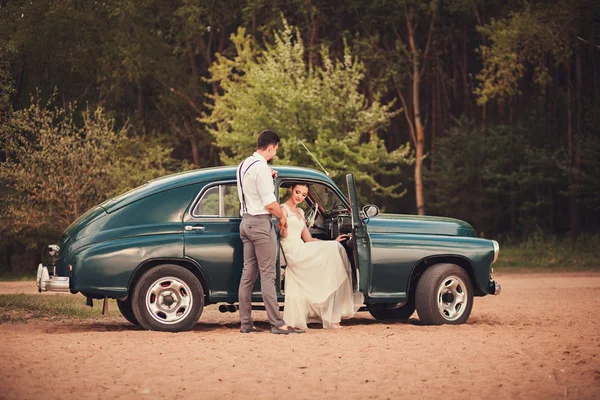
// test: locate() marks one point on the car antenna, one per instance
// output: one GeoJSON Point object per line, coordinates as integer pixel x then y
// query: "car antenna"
{"type": "Point", "coordinates": [314, 158]}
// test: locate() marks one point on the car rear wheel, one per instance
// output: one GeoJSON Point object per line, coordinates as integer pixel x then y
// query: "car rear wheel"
{"type": "Point", "coordinates": [126, 310]}
{"type": "Point", "coordinates": [168, 298]}
{"type": "Point", "coordinates": [444, 295]}
{"type": "Point", "coordinates": [392, 311]}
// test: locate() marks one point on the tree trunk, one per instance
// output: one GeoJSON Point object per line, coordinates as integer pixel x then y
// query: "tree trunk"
{"type": "Point", "coordinates": [467, 94]}
{"type": "Point", "coordinates": [313, 35]}
{"type": "Point", "coordinates": [555, 112]}
{"type": "Point", "coordinates": [454, 70]}
{"type": "Point", "coordinates": [140, 104]}
{"type": "Point", "coordinates": [596, 92]}
{"type": "Point", "coordinates": [446, 111]}
{"type": "Point", "coordinates": [511, 120]}
{"type": "Point", "coordinates": [192, 61]}
{"type": "Point", "coordinates": [19, 79]}
{"type": "Point", "coordinates": [195, 152]}
{"type": "Point", "coordinates": [513, 189]}
{"type": "Point", "coordinates": [435, 97]}
{"type": "Point", "coordinates": [501, 111]}
{"type": "Point", "coordinates": [481, 21]}
{"type": "Point", "coordinates": [419, 128]}
{"type": "Point", "coordinates": [193, 143]}
{"type": "Point", "coordinates": [484, 119]}
{"type": "Point", "coordinates": [579, 133]}
{"type": "Point", "coordinates": [549, 112]}
{"type": "Point", "coordinates": [573, 212]}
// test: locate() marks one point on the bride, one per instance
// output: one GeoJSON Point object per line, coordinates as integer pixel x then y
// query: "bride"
{"type": "Point", "coordinates": [318, 278]}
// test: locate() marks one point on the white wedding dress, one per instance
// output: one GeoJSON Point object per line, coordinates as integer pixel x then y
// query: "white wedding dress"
{"type": "Point", "coordinates": [318, 279]}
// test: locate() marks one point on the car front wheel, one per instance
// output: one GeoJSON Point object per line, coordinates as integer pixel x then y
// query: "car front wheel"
{"type": "Point", "coordinates": [168, 298]}
{"type": "Point", "coordinates": [444, 295]}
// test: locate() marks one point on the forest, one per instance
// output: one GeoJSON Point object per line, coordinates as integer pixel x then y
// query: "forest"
{"type": "Point", "coordinates": [482, 110]}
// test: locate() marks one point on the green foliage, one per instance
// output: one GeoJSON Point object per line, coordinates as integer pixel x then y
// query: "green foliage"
{"type": "Point", "coordinates": [57, 168]}
{"type": "Point", "coordinates": [479, 179]}
{"type": "Point", "coordinates": [6, 83]}
{"type": "Point", "coordinates": [585, 178]}
{"type": "Point", "coordinates": [321, 105]}
{"type": "Point", "coordinates": [527, 38]}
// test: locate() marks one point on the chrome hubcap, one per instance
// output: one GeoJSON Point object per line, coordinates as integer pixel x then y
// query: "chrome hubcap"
{"type": "Point", "coordinates": [169, 300]}
{"type": "Point", "coordinates": [452, 298]}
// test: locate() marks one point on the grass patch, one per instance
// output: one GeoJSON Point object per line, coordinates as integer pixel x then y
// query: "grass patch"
{"type": "Point", "coordinates": [550, 253]}
{"type": "Point", "coordinates": [14, 277]}
{"type": "Point", "coordinates": [23, 307]}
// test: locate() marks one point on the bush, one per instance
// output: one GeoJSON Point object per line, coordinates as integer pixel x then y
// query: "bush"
{"type": "Point", "coordinates": [56, 168]}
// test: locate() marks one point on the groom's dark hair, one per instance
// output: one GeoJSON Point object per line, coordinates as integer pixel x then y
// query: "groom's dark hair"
{"type": "Point", "coordinates": [267, 138]}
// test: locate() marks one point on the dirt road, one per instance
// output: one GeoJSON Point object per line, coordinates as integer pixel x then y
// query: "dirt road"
{"type": "Point", "coordinates": [539, 339]}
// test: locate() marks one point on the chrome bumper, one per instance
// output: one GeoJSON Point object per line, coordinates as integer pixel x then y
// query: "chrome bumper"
{"type": "Point", "coordinates": [47, 283]}
{"type": "Point", "coordinates": [495, 287]}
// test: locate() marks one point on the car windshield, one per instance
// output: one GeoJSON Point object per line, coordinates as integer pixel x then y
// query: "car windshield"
{"type": "Point", "coordinates": [326, 197]}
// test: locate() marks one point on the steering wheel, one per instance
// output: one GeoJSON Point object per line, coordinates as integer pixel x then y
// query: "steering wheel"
{"type": "Point", "coordinates": [339, 209]}
{"type": "Point", "coordinates": [310, 216]}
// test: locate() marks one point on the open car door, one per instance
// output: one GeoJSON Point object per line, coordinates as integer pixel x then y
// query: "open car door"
{"type": "Point", "coordinates": [362, 244]}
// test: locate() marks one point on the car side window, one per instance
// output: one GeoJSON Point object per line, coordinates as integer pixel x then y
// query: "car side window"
{"type": "Point", "coordinates": [208, 204]}
{"type": "Point", "coordinates": [219, 201]}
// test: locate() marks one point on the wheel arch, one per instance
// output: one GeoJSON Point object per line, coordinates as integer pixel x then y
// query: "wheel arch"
{"type": "Point", "coordinates": [422, 265]}
{"type": "Point", "coordinates": [188, 264]}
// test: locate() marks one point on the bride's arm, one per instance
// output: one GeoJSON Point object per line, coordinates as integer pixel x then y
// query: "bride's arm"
{"type": "Point", "coordinates": [306, 236]}
{"type": "Point", "coordinates": [283, 232]}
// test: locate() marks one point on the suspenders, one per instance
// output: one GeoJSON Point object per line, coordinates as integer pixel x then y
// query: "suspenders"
{"type": "Point", "coordinates": [244, 208]}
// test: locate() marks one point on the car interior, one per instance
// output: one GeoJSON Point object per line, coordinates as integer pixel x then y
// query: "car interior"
{"type": "Point", "coordinates": [327, 216]}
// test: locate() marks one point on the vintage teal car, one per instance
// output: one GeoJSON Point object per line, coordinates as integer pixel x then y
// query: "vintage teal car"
{"type": "Point", "coordinates": [170, 247]}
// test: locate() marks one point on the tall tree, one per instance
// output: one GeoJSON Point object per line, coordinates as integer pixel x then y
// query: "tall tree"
{"type": "Point", "coordinates": [416, 53]}
{"type": "Point", "coordinates": [398, 37]}
{"type": "Point", "coordinates": [277, 89]}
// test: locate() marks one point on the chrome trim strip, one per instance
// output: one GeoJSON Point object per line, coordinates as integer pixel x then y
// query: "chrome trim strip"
{"type": "Point", "coordinates": [221, 203]}
{"type": "Point", "coordinates": [496, 250]}
{"type": "Point", "coordinates": [382, 295]}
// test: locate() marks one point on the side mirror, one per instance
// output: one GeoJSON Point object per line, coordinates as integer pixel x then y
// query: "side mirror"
{"type": "Point", "coordinates": [370, 210]}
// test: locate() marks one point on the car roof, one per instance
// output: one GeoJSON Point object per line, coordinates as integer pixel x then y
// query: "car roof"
{"type": "Point", "coordinates": [214, 174]}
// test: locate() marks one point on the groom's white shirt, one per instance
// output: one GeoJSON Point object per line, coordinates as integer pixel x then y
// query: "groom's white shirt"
{"type": "Point", "coordinates": [257, 182]}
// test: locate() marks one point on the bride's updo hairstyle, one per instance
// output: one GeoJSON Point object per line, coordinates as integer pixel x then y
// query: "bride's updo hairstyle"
{"type": "Point", "coordinates": [298, 184]}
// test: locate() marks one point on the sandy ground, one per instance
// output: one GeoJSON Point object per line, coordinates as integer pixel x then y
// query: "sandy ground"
{"type": "Point", "coordinates": [539, 339]}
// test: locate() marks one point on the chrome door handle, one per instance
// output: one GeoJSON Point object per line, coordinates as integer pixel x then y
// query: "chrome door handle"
{"type": "Point", "coordinates": [200, 228]}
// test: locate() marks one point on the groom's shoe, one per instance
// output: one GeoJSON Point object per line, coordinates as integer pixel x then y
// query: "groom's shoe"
{"type": "Point", "coordinates": [250, 330]}
{"type": "Point", "coordinates": [285, 331]}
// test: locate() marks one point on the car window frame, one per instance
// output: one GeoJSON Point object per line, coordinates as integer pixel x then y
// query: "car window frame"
{"type": "Point", "coordinates": [221, 206]}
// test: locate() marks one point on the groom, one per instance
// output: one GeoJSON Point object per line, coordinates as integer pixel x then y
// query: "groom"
{"type": "Point", "coordinates": [257, 198]}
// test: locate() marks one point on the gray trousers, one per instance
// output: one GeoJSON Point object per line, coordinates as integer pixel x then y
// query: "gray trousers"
{"type": "Point", "coordinates": [260, 256]}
